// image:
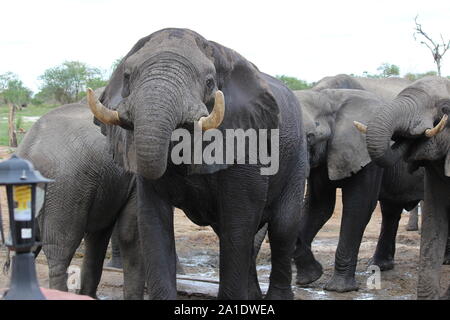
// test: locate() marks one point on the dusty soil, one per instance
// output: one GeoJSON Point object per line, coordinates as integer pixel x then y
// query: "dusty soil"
{"type": "Point", "coordinates": [198, 246]}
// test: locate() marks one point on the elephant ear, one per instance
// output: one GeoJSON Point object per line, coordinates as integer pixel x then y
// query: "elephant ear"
{"type": "Point", "coordinates": [347, 149]}
{"type": "Point", "coordinates": [249, 100]}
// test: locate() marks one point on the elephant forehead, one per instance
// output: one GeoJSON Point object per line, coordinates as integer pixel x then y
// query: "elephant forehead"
{"type": "Point", "coordinates": [185, 47]}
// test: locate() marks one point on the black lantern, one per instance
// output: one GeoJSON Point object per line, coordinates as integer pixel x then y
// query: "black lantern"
{"type": "Point", "coordinates": [20, 179]}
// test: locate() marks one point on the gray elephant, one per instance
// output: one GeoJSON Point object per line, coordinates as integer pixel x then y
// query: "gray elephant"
{"type": "Point", "coordinates": [417, 121]}
{"type": "Point", "coordinates": [89, 195]}
{"type": "Point", "coordinates": [174, 78]}
{"type": "Point", "coordinates": [339, 159]}
{"type": "Point", "coordinates": [385, 88]}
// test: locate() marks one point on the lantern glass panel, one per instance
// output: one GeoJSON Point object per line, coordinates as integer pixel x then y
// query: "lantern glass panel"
{"type": "Point", "coordinates": [21, 199]}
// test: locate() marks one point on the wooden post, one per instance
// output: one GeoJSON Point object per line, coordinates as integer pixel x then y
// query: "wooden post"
{"type": "Point", "coordinates": [11, 126]}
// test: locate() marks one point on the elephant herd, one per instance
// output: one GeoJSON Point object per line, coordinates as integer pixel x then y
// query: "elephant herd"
{"type": "Point", "coordinates": [385, 140]}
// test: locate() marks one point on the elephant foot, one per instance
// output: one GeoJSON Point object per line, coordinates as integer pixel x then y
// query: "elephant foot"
{"type": "Point", "coordinates": [279, 294]}
{"type": "Point", "coordinates": [307, 274]}
{"type": "Point", "coordinates": [115, 263]}
{"type": "Point", "coordinates": [341, 284]}
{"type": "Point", "coordinates": [383, 263]}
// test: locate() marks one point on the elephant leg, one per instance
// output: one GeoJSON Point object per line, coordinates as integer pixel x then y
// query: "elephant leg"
{"type": "Point", "coordinates": [128, 237]}
{"type": "Point", "coordinates": [413, 221]}
{"type": "Point", "coordinates": [156, 234]}
{"type": "Point", "coordinates": [240, 214]}
{"type": "Point", "coordinates": [96, 244]}
{"type": "Point", "coordinates": [116, 258]}
{"type": "Point", "coordinates": [359, 198]}
{"type": "Point", "coordinates": [435, 220]}
{"type": "Point", "coordinates": [254, 290]}
{"type": "Point", "coordinates": [385, 251]}
{"type": "Point", "coordinates": [318, 208]}
{"type": "Point", "coordinates": [59, 246]}
{"type": "Point", "coordinates": [58, 259]}
{"type": "Point", "coordinates": [259, 238]}
{"type": "Point", "coordinates": [283, 229]}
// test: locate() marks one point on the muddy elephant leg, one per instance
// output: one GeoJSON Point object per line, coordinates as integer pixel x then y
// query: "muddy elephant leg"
{"type": "Point", "coordinates": [130, 247]}
{"type": "Point", "coordinates": [413, 221]}
{"type": "Point", "coordinates": [359, 198]}
{"type": "Point", "coordinates": [156, 235]}
{"type": "Point", "coordinates": [96, 244]}
{"type": "Point", "coordinates": [435, 220]}
{"type": "Point", "coordinates": [385, 251]}
{"type": "Point", "coordinates": [318, 208]}
{"type": "Point", "coordinates": [116, 258]}
{"type": "Point", "coordinates": [283, 229]}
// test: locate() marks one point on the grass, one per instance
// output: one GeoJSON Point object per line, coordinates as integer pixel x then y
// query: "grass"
{"type": "Point", "coordinates": [21, 119]}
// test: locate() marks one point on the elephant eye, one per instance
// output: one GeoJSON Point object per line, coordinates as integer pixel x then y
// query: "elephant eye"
{"type": "Point", "coordinates": [210, 84]}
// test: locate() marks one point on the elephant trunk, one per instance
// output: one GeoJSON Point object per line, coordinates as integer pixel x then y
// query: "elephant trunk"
{"type": "Point", "coordinates": [156, 115]}
{"type": "Point", "coordinates": [390, 120]}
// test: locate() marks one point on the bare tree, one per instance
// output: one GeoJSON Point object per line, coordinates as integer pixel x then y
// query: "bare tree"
{"type": "Point", "coordinates": [437, 49]}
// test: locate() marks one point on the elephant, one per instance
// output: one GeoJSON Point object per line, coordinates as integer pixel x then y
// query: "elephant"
{"type": "Point", "coordinates": [90, 194]}
{"type": "Point", "coordinates": [417, 121]}
{"type": "Point", "coordinates": [385, 88]}
{"type": "Point", "coordinates": [174, 80]}
{"type": "Point", "coordinates": [339, 159]}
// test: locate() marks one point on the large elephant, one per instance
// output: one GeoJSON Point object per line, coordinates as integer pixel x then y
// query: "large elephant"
{"type": "Point", "coordinates": [174, 78]}
{"type": "Point", "coordinates": [417, 120]}
{"type": "Point", "coordinates": [339, 159]}
{"type": "Point", "coordinates": [89, 195]}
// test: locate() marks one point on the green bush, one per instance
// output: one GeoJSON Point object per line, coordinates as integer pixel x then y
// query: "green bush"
{"type": "Point", "coordinates": [294, 83]}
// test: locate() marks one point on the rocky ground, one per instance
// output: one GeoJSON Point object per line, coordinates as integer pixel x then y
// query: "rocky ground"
{"type": "Point", "coordinates": [198, 246]}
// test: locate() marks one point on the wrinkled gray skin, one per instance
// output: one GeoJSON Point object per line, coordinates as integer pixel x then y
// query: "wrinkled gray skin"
{"type": "Point", "coordinates": [339, 159]}
{"type": "Point", "coordinates": [417, 108]}
{"type": "Point", "coordinates": [169, 80]}
{"type": "Point", "coordinates": [89, 195]}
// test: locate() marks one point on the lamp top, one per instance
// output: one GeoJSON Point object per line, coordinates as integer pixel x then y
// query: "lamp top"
{"type": "Point", "coordinates": [16, 170]}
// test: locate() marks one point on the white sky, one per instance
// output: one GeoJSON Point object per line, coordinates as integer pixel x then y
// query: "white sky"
{"type": "Point", "coordinates": [305, 39]}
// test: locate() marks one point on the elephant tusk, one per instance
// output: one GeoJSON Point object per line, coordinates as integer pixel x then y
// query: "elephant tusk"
{"type": "Point", "coordinates": [361, 127]}
{"type": "Point", "coordinates": [102, 113]}
{"type": "Point", "coordinates": [216, 116]}
{"type": "Point", "coordinates": [438, 128]}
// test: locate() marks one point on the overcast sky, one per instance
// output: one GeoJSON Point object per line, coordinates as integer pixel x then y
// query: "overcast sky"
{"type": "Point", "coordinates": [306, 39]}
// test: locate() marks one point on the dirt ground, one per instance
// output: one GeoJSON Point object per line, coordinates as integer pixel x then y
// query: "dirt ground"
{"type": "Point", "coordinates": [198, 250]}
